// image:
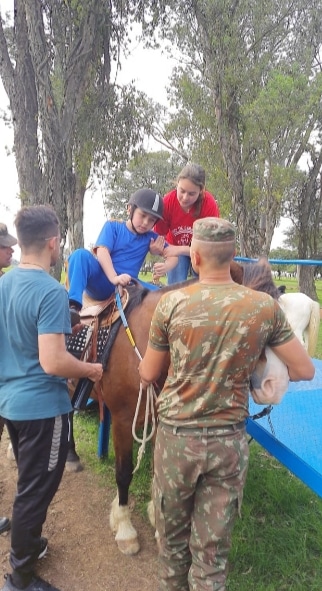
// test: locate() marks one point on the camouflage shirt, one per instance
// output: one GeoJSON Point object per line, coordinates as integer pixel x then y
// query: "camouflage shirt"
{"type": "Point", "coordinates": [215, 334]}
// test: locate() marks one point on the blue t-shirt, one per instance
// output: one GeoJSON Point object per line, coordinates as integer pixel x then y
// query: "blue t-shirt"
{"type": "Point", "coordinates": [32, 303]}
{"type": "Point", "coordinates": [127, 249]}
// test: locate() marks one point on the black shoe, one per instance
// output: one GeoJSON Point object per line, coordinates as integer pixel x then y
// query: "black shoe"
{"type": "Point", "coordinates": [43, 547]}
{"type": "Point", "coordinates": [74, 316]}
{"type": "Point", "coordinates": [36, 584]}
{"type": "Point", "coordinates": [4, 524]}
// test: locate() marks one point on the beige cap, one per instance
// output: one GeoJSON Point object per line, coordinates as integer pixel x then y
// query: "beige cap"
{"type": "Point", "coordinates": [213, 230]}
{"type": "Point", "coordinates": [5, 238]}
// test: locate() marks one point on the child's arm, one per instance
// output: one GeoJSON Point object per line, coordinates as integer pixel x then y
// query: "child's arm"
{"type": "Point", "coordinates": [104, 259]}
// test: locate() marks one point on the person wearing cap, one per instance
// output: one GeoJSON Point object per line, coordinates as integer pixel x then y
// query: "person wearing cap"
{"type": "Point", "coordinates": [183, 205]}
{"type": "Point", "coordinates": [119, 251]}
{"type": "Point", "coordinates": [6, 251]}
{"type": "Point", "coordinates": [6, 243]}
{"type": "Point", "coordinates": [210, 334]}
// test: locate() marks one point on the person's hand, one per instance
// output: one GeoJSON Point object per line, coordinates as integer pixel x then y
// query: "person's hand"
{"type": "Point", "coordinates": [123, 279]}
{"type": "Point", "coordinates": [159, 270]}
{"type": "Point", "coordinates": [95, 371]}
{"type": "Point", "coordinates": [157, 246]}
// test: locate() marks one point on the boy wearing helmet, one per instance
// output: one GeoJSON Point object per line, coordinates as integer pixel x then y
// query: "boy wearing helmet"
{"type": "Point", "coordinates": [119, 251]}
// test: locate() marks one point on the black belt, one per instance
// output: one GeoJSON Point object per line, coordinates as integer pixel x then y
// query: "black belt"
{"type": "Point", "coordinates": [203, 431]}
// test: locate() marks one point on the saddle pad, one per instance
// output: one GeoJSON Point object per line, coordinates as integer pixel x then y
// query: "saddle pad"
{"type": "Point", "coordinates": [105, 314]}
{"type": "Point", "coordinates": [76, 344]}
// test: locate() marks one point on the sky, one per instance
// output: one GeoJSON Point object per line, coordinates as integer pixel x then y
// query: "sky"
{"type": "Point", "coordinates": [150, 70]}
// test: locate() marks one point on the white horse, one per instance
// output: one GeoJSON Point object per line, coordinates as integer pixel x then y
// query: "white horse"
{"type": "Point", "coordinates": [303, 314]}
{"type": "Point", "coordinates": [270, 379]}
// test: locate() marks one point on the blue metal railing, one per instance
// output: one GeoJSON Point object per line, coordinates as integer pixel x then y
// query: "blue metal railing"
{"type": "Point", "coordinates": [281, 261]}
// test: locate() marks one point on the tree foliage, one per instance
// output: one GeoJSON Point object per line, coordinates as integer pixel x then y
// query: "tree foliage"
{"type": "Point", "coordinates": [68, 114]}
{"type": "Point", "coordinates": [249, 85]}
{"type": "Point", "coordinates": [153, 170]}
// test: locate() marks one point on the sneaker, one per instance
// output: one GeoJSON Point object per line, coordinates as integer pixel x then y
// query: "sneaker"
{"type": "Point", "coordinates": [4, 524]}
{"type": "Point", "coordinates": [43, 547]}
{"type": "Point", "coordinates": [36, 584]}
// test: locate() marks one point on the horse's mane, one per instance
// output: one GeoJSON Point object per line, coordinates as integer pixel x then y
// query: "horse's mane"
{"type": "Point", "coordinates": [138, 293]}
{"type": "Point", "coordinates": [258, 276]}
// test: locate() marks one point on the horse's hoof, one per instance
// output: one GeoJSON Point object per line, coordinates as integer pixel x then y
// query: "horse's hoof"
{"type": "Point", "coordinates": [73, 463]}
{"type": "Point", "coordinates": [128, 547]}
{"type": "Point", "coordinates": [120, 523]}
{"type": "Point", "coordinates": [74, 466]}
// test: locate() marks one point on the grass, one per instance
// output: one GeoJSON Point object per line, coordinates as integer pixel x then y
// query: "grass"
{"type": "Point", "coordinates": [277, 543]}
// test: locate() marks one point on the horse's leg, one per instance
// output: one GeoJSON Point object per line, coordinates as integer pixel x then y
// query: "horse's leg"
{"type": "Point", "coordinates": [120, 521]}
{"type": "Point", "coordinates": [73, 463]}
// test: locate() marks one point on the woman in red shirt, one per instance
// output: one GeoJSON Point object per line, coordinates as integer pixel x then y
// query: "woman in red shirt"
{"type": "Point", "coordinates": [183, 206]}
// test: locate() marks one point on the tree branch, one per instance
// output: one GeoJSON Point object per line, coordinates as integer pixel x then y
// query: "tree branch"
{"type": "Point", "coordinates": [81, 60]}
{"type": "Point", "coordinates": [6, 68]}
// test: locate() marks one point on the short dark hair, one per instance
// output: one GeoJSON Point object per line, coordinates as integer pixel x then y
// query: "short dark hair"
{"type": "Point", "coordinates": [35, 224]}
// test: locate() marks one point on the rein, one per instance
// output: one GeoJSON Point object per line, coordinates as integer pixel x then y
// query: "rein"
{"type": "Point", "coordinates": [266, 412]}
{"type": "Point", "coordinates": [150, 393]}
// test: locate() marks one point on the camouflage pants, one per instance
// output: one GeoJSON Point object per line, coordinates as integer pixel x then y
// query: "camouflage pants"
{"type": "Point", "coordinates": [199, 476]}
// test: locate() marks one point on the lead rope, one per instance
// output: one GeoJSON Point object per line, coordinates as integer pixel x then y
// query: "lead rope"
{"type": "Point", "coordinates": [150, 393]}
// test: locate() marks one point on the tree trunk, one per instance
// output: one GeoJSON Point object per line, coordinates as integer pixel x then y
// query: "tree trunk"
{"type": "Point", "coordinates": [20, 87]}
{"type": "Point", "coordinates": [75, 213]}
{"type": "Point", "coordinates": [306, 281]}
{"type": "Point", "coordinates": [309, 206]}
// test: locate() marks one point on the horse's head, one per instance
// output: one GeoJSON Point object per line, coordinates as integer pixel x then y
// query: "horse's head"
{"type": "Point", "coordinates": [257, 276]}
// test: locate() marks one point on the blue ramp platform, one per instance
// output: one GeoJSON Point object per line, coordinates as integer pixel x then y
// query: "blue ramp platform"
{"type": "Point", "coordinates": [292, 432]}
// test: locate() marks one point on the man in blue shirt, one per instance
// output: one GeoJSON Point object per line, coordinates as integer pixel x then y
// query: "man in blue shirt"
{"type": "Point", "coordinates": [34, 400]}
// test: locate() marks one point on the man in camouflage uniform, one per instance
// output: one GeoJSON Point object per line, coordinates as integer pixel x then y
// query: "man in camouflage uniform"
{"type": "Point", "coordinates": [214, 331]}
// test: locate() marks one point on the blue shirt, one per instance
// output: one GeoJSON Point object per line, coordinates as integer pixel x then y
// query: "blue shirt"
{"type": "Point", "coordinates": [32, 303]}
{"type": "Point", "coordinates": [127, 249]}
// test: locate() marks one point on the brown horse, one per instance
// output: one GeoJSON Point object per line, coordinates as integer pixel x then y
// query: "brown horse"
{"type": "Point", "coordinates": [120, 386]}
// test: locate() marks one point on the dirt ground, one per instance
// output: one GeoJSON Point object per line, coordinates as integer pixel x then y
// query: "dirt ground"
{"type": "Point", "coordinates": [82, 554]}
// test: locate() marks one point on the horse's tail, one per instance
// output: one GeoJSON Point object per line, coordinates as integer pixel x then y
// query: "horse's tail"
{"type": "Point", "coordinates": [313, 328]}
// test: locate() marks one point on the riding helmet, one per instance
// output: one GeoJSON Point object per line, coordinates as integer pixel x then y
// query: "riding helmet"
{"type": "Point", "coordinates": [149, 201]}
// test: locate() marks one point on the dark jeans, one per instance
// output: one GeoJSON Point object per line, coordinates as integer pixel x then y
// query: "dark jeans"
{"type": "Point", "coordinates": [40, 447]}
